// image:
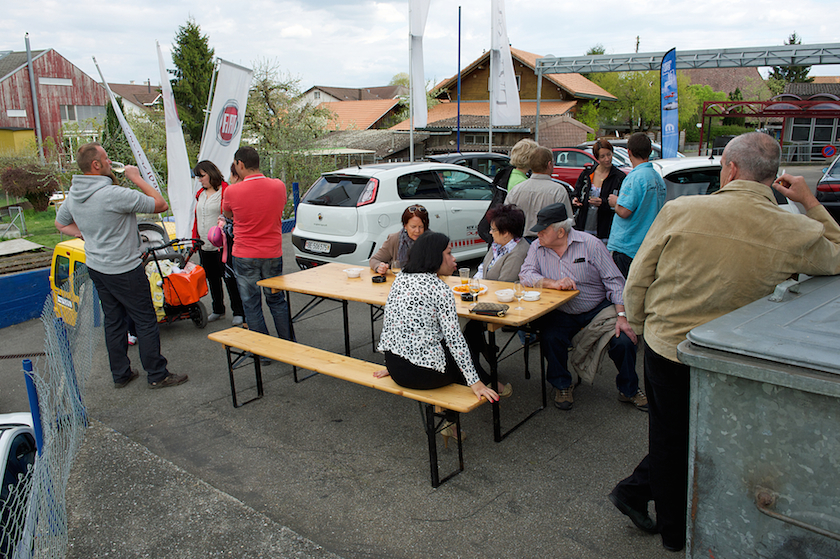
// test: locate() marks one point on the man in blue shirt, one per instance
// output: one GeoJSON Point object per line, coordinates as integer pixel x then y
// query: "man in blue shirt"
{"type": "Point", "coordinates": [641, 197]}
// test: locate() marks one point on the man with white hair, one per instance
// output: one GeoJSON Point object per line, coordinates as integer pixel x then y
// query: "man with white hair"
{"type": "Point", "coordinates": [703, 257]}
{"type": "Point", "coordinates": [563, 258]}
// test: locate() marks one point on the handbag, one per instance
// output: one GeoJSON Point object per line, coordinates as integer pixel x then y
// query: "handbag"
{"type": "Point", "coordinates": [489, 309]}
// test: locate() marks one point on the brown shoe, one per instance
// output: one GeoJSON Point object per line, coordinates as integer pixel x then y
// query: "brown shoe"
{"type": "Point", "coordinates": [563, 399]}
{"type": "Point", "coordinates": [171, 380]}
{"type": "Point", "coordinates": [638, 399]}
{"type": "Point", "coordinates": [132, 375]}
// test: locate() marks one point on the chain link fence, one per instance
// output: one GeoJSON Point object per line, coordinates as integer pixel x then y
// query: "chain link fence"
{"type": "Point", "coordinates": [34, 513]}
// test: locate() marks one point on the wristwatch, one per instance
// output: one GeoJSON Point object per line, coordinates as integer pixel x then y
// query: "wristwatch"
{"type": "Point", "coordinates": [622, 314]}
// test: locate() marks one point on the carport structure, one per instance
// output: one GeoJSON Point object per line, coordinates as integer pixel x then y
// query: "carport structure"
{"type": "Point", "coordinates": [784, 55]}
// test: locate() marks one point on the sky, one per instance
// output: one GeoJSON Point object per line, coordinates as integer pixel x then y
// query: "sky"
{"type": "Point", "coordinates": [363, 43]}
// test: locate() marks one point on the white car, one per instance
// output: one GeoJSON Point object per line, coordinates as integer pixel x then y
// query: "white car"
{"type": "Point", "coordinates": [687, 176]}
{"type": "Point", "coordinates": [17, 452]}
{"type": "Point", "coordinates": [346, 215]}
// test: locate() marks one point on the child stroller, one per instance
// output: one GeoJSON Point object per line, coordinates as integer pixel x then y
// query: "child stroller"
{"type": "Point", "coordinates": [177, 295]}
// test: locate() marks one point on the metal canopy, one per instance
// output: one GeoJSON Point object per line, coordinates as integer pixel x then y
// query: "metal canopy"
{"type": "Point", "coordinates": [786, 55]}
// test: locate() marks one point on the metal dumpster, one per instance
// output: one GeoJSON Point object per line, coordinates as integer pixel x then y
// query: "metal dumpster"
{"type": "Point", "coordinates": [764, 458]}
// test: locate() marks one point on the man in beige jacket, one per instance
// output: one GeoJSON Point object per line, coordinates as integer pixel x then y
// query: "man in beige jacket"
{"type": "Point", "coordinates": [703, 257]}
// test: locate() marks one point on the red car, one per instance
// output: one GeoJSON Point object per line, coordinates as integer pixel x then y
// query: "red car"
{"type": "Point", "coordinates": [569, 163]}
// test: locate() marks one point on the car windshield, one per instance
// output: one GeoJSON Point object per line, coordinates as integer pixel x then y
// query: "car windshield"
{"type": "Point", "coordinates": [335, 190]}
{"type": "Point", "coordinates": [834, 170]}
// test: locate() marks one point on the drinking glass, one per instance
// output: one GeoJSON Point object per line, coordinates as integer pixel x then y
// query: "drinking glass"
{"type": "Point", "coordinates": [465, 275]}
{"type": "Point", "coordinates": [519, 292]}
{"type": "Point", "coordinates": [475, 287]}
{"type": "Point", "coordinates": [117, 167]}
{"type": "Point", "coordinates": [396, 266]}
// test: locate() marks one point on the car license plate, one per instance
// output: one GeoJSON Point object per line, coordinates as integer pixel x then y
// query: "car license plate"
{"type": "Point", "coordinates": [315, 246]}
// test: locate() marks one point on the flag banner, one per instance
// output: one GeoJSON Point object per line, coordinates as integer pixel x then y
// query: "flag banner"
{"type": "Point", "coordinates": [670, 105]}
{"type": "Point", "coordinates": [139, 155]}
{"type": "Point", "coordinates": [418, 11]}
{"type": "Point", "coordinates": [224, 129]}
{"type": "Point", "coordinates": [504, 109]}
{"type": "Point", "coordinates": [179, 183]}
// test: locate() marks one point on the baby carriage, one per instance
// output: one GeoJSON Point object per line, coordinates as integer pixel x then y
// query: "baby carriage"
{"type": "Point", "coordinates": [177, 284]}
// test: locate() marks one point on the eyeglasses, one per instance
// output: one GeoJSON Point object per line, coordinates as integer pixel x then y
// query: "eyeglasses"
{"type": "Point", "coordinates": [417, 209]}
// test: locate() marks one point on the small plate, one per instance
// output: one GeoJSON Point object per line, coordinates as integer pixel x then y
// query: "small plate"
{"type": "Point", "coordinates": [464, 288]}
{"type": "Point", "coordinates": [531, 296]}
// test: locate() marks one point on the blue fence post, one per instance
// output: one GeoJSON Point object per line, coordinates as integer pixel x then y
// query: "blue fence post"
{"type": "Point", "coordinates": [34, 408]}
{"type": "Point", "coordinates": [296, 195]}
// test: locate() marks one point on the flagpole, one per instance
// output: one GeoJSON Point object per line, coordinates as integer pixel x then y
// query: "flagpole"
{"type": "Point", "coordinates": [410, 90]}
{"type": "Point", "coordinates": [210, 99]}
{"type": "Point", "coordinates": [458, 133]}
{"type": "Point", "coordinates": [490, 90]}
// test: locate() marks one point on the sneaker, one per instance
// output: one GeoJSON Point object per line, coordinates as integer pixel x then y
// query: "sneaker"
{"type": "Point", "coordinates": [638, 399]}
{"type": "Point", "coordinates": [171, 380]}
{"type": "Point", "coordinates": [213, 317]}
{"type": "Point", "coordinates": [563, 399]}
{"type": "Point", "coordinates": [133, 375]}
{"type": "Point", "coordinates": [237, 320]}
{"type": "Point", "coordinates": [132, 340]}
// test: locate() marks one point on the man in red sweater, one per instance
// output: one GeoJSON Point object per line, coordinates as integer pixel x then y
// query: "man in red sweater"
{"type": "Point", "coordinates": [256, 206]}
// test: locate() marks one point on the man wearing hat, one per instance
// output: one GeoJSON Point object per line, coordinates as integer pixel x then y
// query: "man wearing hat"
{"type": "Point", "coordinates": [565, 259]}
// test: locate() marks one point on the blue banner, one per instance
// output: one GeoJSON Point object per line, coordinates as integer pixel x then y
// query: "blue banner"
{"type": "Point", "coordinates": [669, 105]}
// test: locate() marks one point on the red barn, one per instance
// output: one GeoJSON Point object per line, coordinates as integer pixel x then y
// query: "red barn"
{"type": "Point", "coordinates": [65, 95]}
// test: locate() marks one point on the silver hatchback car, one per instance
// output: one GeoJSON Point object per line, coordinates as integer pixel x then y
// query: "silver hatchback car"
{"type": "Point", "coordinates": [346, 215]}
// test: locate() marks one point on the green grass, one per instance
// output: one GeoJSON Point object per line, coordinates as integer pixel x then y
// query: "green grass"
{"type": "Point", "coordinates": [40, 227]}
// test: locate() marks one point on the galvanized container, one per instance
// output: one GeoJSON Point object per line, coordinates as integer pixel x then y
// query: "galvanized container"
{"type": "Point", "coordinates": [764, 458]}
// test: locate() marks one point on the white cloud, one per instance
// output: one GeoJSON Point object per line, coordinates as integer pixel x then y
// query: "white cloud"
{"type": "Point", "coordinates": [296, 32]}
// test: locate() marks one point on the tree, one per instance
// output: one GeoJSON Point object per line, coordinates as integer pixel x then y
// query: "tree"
{"type": "Point", "coordinates": [638, 98]}
{"type": "Point", "coordinates": [193, 60]}
{"type": "Point", "coordinates": [782, 75]}
{"type": "Point", "coordinates": [113, 138]}
{"type": "Point", "coordinates": [26, 177]}
{"type": "Point", "coordinates": [284, 126]}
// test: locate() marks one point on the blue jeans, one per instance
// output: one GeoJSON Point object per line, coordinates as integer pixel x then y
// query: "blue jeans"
{"type": "Point", "coordinates": [248, 272]}
{"type": "Point", "coordinates": [556, 332]}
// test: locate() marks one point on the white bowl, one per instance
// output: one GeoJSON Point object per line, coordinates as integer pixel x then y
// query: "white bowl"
{"type": "Point", "coordinates": [353, 272]}
{"type": "Point", "coordinates": [531, 296]}
{"type": "Point", "coordinates": [504, 295]}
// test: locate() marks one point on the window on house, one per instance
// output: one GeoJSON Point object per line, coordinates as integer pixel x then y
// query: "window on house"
{"type": "Point", "coordinates": [476, 139]}
{"type": "Point", "coordinates": [68, 113]}
{"type": "Point", "coordinates": [317, 95]}
{"type": "Point", "coordinates": [16, 113]}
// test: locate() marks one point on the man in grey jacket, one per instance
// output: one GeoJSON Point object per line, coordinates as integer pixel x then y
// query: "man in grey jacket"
{"type": "Point", "coordinates": [104, 215]}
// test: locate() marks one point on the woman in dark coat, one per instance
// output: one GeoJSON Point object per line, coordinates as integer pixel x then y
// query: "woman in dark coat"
{"type": "Point", "coordinates": [592, 192]}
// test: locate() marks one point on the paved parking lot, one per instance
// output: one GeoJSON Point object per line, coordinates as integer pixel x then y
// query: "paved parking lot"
{"type": "Point", "coordinates": [326, 468]}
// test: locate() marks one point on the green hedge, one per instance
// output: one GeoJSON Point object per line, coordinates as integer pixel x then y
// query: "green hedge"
{"type": "Point", "coordinates": [692, 135]}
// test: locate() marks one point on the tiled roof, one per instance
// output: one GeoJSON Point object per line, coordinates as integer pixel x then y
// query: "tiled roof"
{"type": "Point", "coordinates": [383, 142]}
{"type": "Point", "coordinates": [805, 90]}
{"type": "Point", "coordinates": [141, 95]}
{"type": "Point", "coordinates": [12, 61]}
{"type": "Point", "coordinates": [449, 110]}
{"type": "Point", "coordinates": [363, 93]}
{"type": "Point", "coordinates": [728, 80]}
{"type": "Point", "coordinates": [575, 84]}
{"type": "Point", "coordinates": [358, 115]}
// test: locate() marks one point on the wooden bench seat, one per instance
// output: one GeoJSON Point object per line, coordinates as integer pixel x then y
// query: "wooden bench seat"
{"type": "Point", "coordinates": [454, 398]}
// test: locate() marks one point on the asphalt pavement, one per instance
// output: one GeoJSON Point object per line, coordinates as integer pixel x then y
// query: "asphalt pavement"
{"type": "Point", "coordinates": [326, 468]}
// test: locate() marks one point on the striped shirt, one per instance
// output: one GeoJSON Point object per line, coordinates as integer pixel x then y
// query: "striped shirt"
{"type": "Point", "coordinates": [586, 261]}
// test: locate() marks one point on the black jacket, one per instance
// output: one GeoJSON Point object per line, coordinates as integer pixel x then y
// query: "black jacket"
{"type": "Point", "coordinates": [605, 214]}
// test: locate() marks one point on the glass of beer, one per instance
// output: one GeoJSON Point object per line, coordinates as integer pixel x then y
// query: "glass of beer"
{"type": "Point", "coordinates": [465, 275]}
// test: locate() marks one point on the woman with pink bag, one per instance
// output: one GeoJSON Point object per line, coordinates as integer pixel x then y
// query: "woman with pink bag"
{"type": "Point", "coordinates": [208, 209]}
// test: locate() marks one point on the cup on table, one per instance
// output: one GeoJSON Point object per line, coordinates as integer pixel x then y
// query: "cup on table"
{"type": "Point", "coordinates": [396, 266]}
{"type": "Point", "coordinates": [465, 275]}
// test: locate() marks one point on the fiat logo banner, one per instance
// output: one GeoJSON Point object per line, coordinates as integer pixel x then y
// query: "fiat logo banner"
{"type": "Point", "coordinates": [228, 123]}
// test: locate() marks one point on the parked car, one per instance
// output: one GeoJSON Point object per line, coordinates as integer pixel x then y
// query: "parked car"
{"type": "Point", "coordinates": [616, 143]}
{"type": "Point", "coordinates": [17, 456]}
{"type": "Point", "coordinates": [687, 176]}
{"type": "Point", "coordinates": [346, 214]}
{"type": "Point", "coordinates": [828, 189]}
{"type": "Point", "coordinates": [570, 162]}
{"type": "Point", "coordinates": [484, 162]}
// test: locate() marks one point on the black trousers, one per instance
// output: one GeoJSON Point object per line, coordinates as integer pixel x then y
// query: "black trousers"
{"type": "Point", "coordinates": [623, 262]}
{"type": "Point", "coordinates": [123, 296]}
{"type": "Point", "coordinates": [407, 374]}
{"type": "Point", "coordinates": [662, 475]}
{"type": "Point", "coordinates": [214, 269]}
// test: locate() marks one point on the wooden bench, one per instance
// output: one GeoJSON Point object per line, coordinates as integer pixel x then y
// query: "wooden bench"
{"type": "Point", "coordinates": [244, 345]}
